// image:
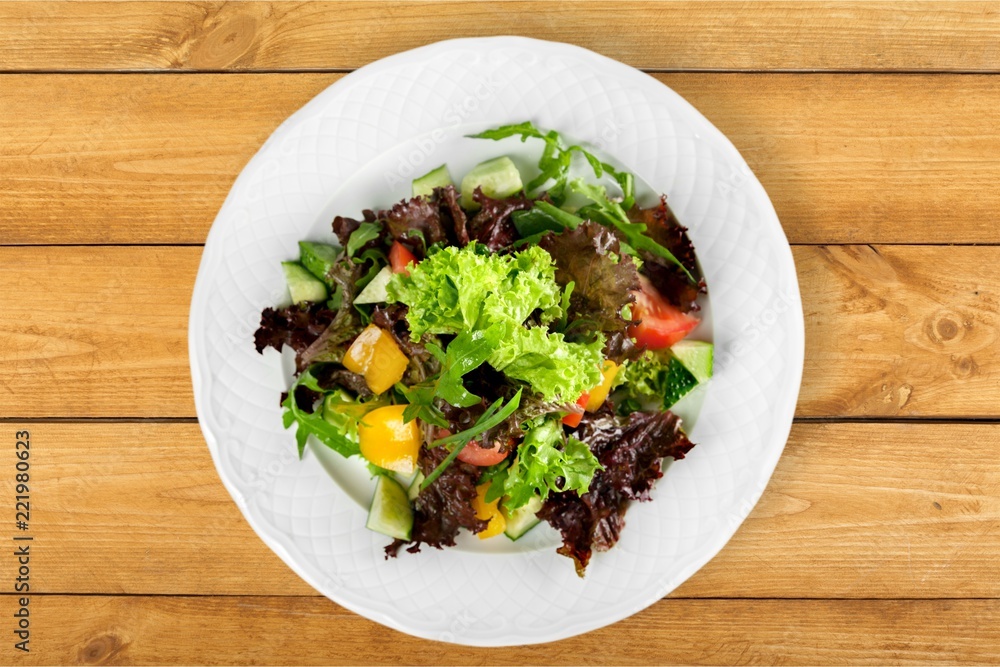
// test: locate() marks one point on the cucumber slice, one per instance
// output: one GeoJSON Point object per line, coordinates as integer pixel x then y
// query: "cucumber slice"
{"type": "Point", "coordinates": [436, 178]}
{"type": "Point", "coordinates": [678, 383]}
{"type": "Point", "coordinates": [390, 513]}
{"type": "Point", "coordinates": [498, 178]}
{"type": "Point", "coordinates": [414, 489]}
{"type": "Point", "coordinates": [374, 291]}
{"type": "Point", "coordinates": [302, 285]}
{"type": "Point", "coordinates": [696, 356]}
{"type": "Point", "coordinates": [523, 519]}
{"type": "Point", "coordinates": [318, 259]}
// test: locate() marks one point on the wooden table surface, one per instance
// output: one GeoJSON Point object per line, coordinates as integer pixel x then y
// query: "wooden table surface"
{"type": "Point", "coordinates": [874, 128]}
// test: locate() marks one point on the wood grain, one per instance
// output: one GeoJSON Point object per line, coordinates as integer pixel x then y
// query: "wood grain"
{"type": "Point", "coordinates": [95, 331]}
{"type": "Point", "coordinates": [666, 35]}
{"type": "Point", "coordinates": [897, 331]}
{"type": "Point", "coordinates": [313, 631]}
{"type": "Point", "coordinates": [111, 159]}
{"type": "Point", "coordinates": [900, 331]}
{"type": "Point", "coordinates": [874, 543]}
{"type": "Point", "coordinates": [912, 512]}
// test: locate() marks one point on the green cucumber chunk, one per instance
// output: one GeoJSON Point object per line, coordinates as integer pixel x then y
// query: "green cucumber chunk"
{"type": "Point", "coordinates": [696, 356]}
{"type": "Point", "coordinates": [374, 291]}
{"type": "Point", "coordinates": [303, 285]}
{"type": "Point", "coordinates": [498, 178]}
{"type": "Point", "coordinates": [523, 519]}
{"type": "Point", "coordinates": [414, 489]}
{"type": "Point", "coordinates": [318, 259]}
{"type": "Point", "coordinates": [390, 513]}
{"type": "Point", "coordinates": [678, 382]}
{"type": "Point", "coordinates": [435, 178]}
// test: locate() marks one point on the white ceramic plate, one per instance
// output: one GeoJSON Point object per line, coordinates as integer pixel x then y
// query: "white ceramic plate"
{"type": "Point", "coordinates": [357, 145]}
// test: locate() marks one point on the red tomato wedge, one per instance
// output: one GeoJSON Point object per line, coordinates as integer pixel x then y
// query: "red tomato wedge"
{"type": "Point", "coordinates": [475, 454]}
{"type": "Point", "coordinates": [480, 456]}
{"type": "Point", "coordinates": [659, 324]}
{"type": "Point", "coordinates": [573, 419]}
{"type": "Point", "coordinates": [399, 257]}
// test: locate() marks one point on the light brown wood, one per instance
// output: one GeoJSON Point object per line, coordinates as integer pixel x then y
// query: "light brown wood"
{"type": "Point", "coordinates": [900, 330]}
{"type": "Point", "coordinates": [875, 542]}
{"type": "Point", "coordinates": [853, 511]}
{"type": "Point", "coordinates": [314, 631]}
{"type": "Point", "coordinates": [667, 35]}
{"type": "Point", "coordinates": [890, 331]}
{"type": "Point", "coordinates": [111, 159]}
{"type": "Point", "coordinates": [95, 331]}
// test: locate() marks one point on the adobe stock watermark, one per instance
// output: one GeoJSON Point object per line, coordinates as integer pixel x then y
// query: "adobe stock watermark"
{"type": "Point", "coordinates": [753, 331]}
{"type": "Point", "coordinates": [610, 130]}
{"type": "Point", "coordinates": [424, 147]}
{"type": "Point", "coordinates": [264, 479]}
{"type": "Point", "coordinates": [459, 625]}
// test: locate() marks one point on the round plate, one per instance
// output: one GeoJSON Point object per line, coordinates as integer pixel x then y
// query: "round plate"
{"type": "Point", "coordinates": [358, 144]}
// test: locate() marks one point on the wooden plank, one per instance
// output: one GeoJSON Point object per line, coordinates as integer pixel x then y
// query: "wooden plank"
{"type": "Point", "coordinates": [314, 631]}
{"type": "Point", "coordinates": [666, 35]}
{"type": "Point", "coordinates": [90, 158]}
{"type": "Point", "coordinates": [909, 513]}
{"type": "Point", "coordinates": [890, 331]}
{"type": "Point", "coordinates": [95, 331]}
{"type": "Point", "coordinates": [108, 159]}
{"type": "Point", "coordinates": [899, 330]}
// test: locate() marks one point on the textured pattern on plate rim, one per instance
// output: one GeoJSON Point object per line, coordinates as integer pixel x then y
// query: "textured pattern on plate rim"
{"type": "Point", "coordinates": [485, 599]}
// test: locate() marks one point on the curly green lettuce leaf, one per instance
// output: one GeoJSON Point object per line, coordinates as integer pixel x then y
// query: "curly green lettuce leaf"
{"type": "Point", "coordinates": [484, 299]}
{"type": "Point", "coordinates": [547, 461]}
{"type": "Point", "coordinates": [555, 368]}
{"type": "Point", "coordinates": [458, 289]}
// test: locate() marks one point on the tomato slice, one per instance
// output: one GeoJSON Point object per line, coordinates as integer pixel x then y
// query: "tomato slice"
{"type": "Point", "coordinates": [475, 453]}
{"type": "Point", "coordinates": [480, 456]}
{"type": "Point", "coordinates": [573, 419]}
{"type": "Point", "coordinates": [659, 324]}
{"type": "Point", "coordinates": [399, 257]}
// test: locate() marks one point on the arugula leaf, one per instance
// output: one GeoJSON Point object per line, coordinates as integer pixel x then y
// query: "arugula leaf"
{"type": "Point", "coordinates": [611, 214]}
{"type": "Point", "coordinates": [420, 403]}
{"type": "Point", "coordinates": [556, 159]}
{"type": "Point", "coordinates": [548, 462]}
{"type": "Point", "coordinates": [495, 476]}
{"type": "Point", "coordinates": [337, 438]}
{"type": "Point", "coordinates": [544, 217]}
{"type": "Point", "coordinates": [366, 231]}
{"type": "Point", "coordinates": [467, 352]}
{"type": "Point", "coordinates": [493, 417]}
{"type": "Point", "coordinates": [523, 130]}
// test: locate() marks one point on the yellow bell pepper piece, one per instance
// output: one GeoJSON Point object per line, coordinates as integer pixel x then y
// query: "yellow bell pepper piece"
{"type": "Point", "coordinates": [599, 394]}
{"type": "Point", "coordinates": [375, 355]}
{"type": "Point", "coordinates": [488, 512]}
{"type": "Point", "coordinates": [387, 441]}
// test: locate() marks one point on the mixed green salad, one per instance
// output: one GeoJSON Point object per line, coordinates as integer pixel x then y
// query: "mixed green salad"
{"type": "Point", "coordinates": [499, 352]}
